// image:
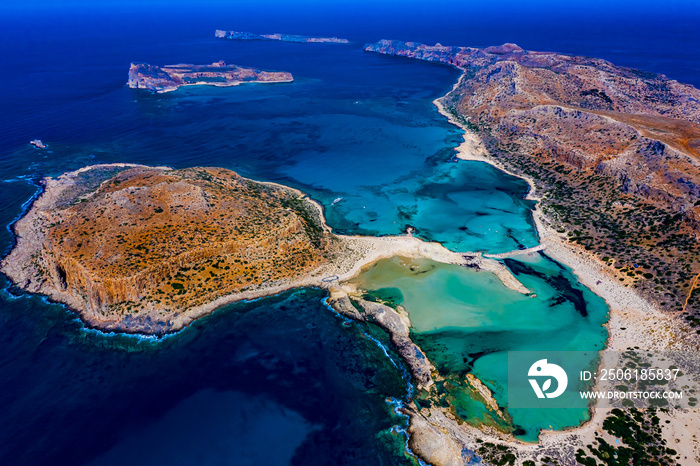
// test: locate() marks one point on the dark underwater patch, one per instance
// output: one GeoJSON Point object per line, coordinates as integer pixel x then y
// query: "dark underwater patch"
{"type": "Point", "coordinates": [567, 292]}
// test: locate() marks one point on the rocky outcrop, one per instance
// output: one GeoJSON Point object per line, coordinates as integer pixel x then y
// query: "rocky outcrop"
{"type": "Point", "coordinates": [434, 445]}
{"type": "Point", "coordinates": [485, 393]}
{"type": "Point", "coordinates": [398, 326]}
{"type": "Point", "coordinates": [239, 35]}
{"type": "Point", "coordinates": [168, 78]}
{"type": "Point", "coordinates": [134, 248]}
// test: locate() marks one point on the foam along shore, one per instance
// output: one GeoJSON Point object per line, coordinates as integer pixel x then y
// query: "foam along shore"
{"type": "Point", "coordinates": [438, 438]}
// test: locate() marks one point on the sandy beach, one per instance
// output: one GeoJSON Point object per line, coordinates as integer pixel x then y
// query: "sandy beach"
{"type": "Point", "coordinates": [359, 252]}
{"type": "Point", "coordinates": [633, 322]}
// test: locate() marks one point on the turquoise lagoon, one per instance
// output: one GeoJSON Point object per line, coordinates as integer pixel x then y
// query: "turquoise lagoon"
{"type": "Point", "coordinates": [467, 320]}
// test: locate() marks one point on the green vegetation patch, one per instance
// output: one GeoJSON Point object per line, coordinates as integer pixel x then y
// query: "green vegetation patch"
{"type": "Point", "coordinates": [641, 442]}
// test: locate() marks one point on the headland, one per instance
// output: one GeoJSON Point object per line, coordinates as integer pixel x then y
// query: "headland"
{"type": "Point", "coordinates": [148, 250]}
{"type": "Point", "coordinates": [611, 155]}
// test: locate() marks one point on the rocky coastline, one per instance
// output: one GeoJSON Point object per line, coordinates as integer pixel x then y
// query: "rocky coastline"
{"type": "Point", "coordinates": [479, 105]}
{"type": "Point", "coordinates": [148, 250]}
{"type": "Point", "coordinates": [240, 35]}
{"type": "Point", "coordinates": [637, 127]}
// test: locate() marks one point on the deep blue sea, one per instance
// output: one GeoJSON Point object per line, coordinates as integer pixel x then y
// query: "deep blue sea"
{"type": "Point", "coordinates": [282, 380]}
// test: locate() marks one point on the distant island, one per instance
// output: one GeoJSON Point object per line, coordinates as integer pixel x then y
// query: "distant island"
{"type": "Point", "coordinates": [616, 151]}
{"type": "Point", "coordinates": [168, 78]}
{"type": "Point", "coordinates": [238, 35]}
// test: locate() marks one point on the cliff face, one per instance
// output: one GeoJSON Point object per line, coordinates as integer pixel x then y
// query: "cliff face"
{"type": "Point", "coordinates": [615, 150]}
{"type": "Point", "coordinates": [168, 78]}
{"type": "Point", "coordinates": [132, 250]}
{"type": "Point", "coordinates": [239, 35]}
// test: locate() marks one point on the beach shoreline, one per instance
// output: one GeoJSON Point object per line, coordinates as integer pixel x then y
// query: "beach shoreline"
{"type": "Point", "coordinates": [633, 322]}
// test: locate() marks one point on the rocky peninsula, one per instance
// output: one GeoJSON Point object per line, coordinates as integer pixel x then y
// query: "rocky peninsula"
{"type": "Point", "coordinates": [238, 35]}
{"type": "Point", "coordinates": [614, 152]}
{"type": "Point", "coordinates": [160, 79]}
{"type": "Point", "coordinates": [612, 156]}
{"type": "Point", "coordinates": [148, 250]}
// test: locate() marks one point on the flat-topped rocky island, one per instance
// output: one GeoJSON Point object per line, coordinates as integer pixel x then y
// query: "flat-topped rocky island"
{"type": "Point", "coordinates": [160, 79]}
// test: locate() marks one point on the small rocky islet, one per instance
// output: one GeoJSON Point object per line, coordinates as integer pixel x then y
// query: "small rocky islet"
{"type": "Point", "coordinates": [161, 79]}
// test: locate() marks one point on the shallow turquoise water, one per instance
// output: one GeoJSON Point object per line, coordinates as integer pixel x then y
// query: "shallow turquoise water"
{"type": "Point", "coordinates": [467, 320]}
{"type": "Point", "coordinates": [467, 206]}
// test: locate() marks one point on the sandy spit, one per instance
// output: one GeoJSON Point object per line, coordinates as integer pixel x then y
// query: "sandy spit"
{"type": "Point", "coordinates": [645, 326]}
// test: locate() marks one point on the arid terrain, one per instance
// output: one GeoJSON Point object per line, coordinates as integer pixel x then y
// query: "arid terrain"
{"type": "Point", "coordinates": [134, 247]}
{"type": "Point", "coordinates": [168, 78]}
{"type": "Point", "coordinates": [613, 152]}
{"type": "Point", "coordinates": [145, 249]}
